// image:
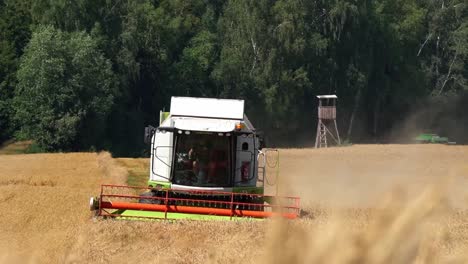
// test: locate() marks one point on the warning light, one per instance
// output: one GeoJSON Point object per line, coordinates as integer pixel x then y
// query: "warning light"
{"type": "Point", "coordinates": [239, 126]}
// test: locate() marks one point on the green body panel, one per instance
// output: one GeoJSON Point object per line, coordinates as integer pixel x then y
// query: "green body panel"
{"type": "Point", "coordinates": [176, 216]}
{"type": "Point", "coordinates": [440, 140]}
{"type": "Point", "coordinates": [163, 116]}
{"type": "Point", "coordinates": [431, 138]}
{"type": "Point", "coordinates": [164, 185]}
{"type": "Point", "coordinates": [255, 190]}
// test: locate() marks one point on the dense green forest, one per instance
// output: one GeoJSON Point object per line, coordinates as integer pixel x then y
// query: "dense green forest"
{"type": "Point", "coordinates": [90, 74]}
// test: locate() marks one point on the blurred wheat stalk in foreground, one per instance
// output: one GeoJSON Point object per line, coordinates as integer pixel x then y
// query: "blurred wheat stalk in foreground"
{"type": "Point", "coordinates": [400, 231]}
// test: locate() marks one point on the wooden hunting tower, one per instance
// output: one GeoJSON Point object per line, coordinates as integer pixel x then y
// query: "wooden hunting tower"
{"type": "Point", "coordinates": [326, 118]}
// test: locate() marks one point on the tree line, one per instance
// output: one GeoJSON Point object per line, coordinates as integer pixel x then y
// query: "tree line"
{"type": "Point", "coordinates": [90, 74]}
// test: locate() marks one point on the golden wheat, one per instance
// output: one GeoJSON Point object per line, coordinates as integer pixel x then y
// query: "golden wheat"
{"type": "Point", "coordinates": [362, 204]}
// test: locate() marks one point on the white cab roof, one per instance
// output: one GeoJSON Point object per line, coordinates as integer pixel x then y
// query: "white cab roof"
{"type": "Point", "coordinates": [207, 107]}
{"type": "Point", "coordinates": [204, 124]}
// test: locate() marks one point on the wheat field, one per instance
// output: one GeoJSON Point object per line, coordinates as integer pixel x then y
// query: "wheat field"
{"type": "Point", "coordinates": [362, 204]}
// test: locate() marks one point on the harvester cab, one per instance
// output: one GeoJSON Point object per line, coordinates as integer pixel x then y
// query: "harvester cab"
{"type": "Point", "coordinates": [205, 144]}
{"type": "Point", "coordinates": [206, 160]}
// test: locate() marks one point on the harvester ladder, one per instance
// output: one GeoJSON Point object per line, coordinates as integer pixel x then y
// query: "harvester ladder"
{"type": "Point", "coordinates": [261, 161]}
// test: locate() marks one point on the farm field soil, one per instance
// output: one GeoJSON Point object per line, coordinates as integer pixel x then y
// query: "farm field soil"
{"type": "Point", "coordinates": [349, 216]}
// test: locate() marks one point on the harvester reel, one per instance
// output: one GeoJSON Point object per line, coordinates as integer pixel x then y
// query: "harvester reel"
{"type": "Point", "coordinates": [115, 201]}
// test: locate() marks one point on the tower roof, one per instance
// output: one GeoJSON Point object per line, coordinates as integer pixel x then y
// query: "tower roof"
{"type": "Point", "coordinates": [327, 96]}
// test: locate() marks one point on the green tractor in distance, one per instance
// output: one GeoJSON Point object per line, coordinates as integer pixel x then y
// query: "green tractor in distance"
{"type": "Point", "coordinates": [432, 139]}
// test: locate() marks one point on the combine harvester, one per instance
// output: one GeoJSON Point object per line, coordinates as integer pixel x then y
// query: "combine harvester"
{"type": "Point", "coordinates": [207, 162]}
{"type": "Point", "coordinates": [432, 139]}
